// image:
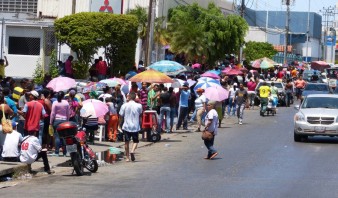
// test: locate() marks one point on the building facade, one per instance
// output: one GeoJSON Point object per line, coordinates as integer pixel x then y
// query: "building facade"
{"type": "Point", "coordinates": [269, 26]}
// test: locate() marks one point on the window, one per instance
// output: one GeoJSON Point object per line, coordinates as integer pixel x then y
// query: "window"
{"type": "Point", "coordinates": [24, 45]}
{"type": "Point", "coordinates": [23, 6]}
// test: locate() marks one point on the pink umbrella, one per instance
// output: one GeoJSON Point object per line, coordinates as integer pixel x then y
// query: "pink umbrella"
{"type": "Point", "coordinates": [226, 69]}
{"type": "Point", "coordinates": [93, 108]}
{"type": "Point", "coordinates": [119, 80]}
{"type": "Point", "coordinates": [210, 75]}
{"type": "Point", "coordinates": [191, 82]}
{"type": "Point", "coordinates": [196, 65]}
{"type": "Point", "coordinates": [233, 72]}
{"type": "Point", "coordinates": [61, 84]}
{"type": "Point", "coordinates": [216, 93]}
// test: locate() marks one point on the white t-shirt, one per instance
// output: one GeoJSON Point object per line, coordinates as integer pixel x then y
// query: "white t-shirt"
{"type": "Point", "coordinates": [199, 101]}
{"type": "Point", "coordinates": [30, 148]}
{"type": "Point", "coordinates": [11, 145]}
{"type": "Point", "coordinates": [232, 92]}
{"type": "Point", "coordinates": [104, 96]}
{"type": "Point", "coordinates": [131, 112]}
{"type": "Point", "coordinates": [212, 115]}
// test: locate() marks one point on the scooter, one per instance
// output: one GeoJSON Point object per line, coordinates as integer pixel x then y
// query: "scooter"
{"type": "Point", "coordinates": [82, 156]}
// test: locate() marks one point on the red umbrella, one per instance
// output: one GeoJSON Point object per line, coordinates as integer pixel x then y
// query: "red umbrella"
{"type": "Point", "coordinates": [233, 72]}
{"type": "Point", "coordinates": [319, 65]}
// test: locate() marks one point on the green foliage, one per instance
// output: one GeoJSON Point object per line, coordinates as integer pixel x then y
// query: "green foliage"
{"type": "Point", "coordinates": [254, 50]}
{"type": "Point", "coordinates": [141, 14]}
{"type": "Point", "coordinates": [80, 70]}
{"type": "Point", "coordinates": [53, 66]}
{"type": "Point", "coordinates": [85, 33]}
{"type": "Point", "coordinates": [39, 74]}
{"type": "Point", "coordinates": [196, 31]}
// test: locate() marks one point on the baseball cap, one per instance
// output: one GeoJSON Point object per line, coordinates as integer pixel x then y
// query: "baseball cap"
{"type": "Point", "coordinates": [34, 93]}
{"type": "Point", "coordinates": [200, 90]}
{"type": "Point", "coordinates": [185, 84]}
{"type": "Point", "coordinates": [13, 124]}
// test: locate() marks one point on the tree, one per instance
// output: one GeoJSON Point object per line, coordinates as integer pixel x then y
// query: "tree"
{"type": "Point", "coordinates": [254, 50]}
{"type": "Point", "coordinates": [85, 33]}
{"type": "Point", "coordinates": [196, 31]}
{"type": "Point", "coordinates": [141, 14]}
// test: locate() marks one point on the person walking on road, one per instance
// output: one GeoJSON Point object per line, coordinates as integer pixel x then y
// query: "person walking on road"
{"type": "Point", "coordinates": [164, 110]}
{"type": "Point", "coordinates": [241, 97]}
{"type": "Point", "coordinates": [264, 93]}
{"type": "Point", "coordinates": [184, 108]}
{"type": "Point", "coordinates": [131, 113]}
{"type": "Point", "coordinates": [251, 92]}
{"type": "Point", "coordinates": [300, 85]}
{"type": "Point", "coordinates": [211, 120]}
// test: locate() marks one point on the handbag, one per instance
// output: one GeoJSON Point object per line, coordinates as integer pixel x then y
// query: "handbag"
{"type": "Point", "coordinates": [6, 123]}
{"type": "Point", "coordinates": [207, 135]}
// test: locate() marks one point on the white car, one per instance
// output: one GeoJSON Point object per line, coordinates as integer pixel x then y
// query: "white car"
{"type": "Point", "coordinates": [317, 115]}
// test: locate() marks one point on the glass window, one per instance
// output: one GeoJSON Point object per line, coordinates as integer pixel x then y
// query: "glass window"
{"type": "Point", "coordinates": [24, 45]}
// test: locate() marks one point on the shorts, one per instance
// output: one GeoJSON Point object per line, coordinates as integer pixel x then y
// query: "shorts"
{"type": "Point", "coordinates": [131, 135]}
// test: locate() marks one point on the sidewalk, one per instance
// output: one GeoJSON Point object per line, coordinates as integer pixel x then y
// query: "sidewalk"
{"type": "Point", "coordinates": [17, 168]}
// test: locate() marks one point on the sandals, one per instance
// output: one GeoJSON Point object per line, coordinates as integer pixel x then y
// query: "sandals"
{"type": "Point", "coordinates": [132, 156]}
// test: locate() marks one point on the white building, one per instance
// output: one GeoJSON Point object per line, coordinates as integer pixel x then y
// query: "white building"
{"type": "Point", "coordinates": [27, 26]}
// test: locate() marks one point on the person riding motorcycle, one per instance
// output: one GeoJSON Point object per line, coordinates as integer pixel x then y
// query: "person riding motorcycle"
{"type": "Point", "coordinates": [264, 93]}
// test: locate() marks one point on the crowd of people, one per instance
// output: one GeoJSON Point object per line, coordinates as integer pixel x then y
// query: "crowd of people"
{"type": "Point", "coordinates": [36, 114]}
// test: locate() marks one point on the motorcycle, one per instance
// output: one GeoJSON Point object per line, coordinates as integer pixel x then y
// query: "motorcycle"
{"type": "Point", "coordinates": [82, 156]}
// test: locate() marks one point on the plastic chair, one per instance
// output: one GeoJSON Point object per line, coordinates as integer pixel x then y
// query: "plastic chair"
{"type": "Point", "coordinates": [101, 132]}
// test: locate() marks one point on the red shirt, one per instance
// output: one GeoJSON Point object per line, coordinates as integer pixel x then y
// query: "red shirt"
{"type": "Point", "coordinates": [102, 68]}
{"type": "Point", "coordinates": [34, 112]}
{"type": "Point", "coordinates": [251, 86]}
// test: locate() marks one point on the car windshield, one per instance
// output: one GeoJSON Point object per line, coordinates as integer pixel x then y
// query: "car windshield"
{"type": "Point", "coordinates": [316, 87]}
{"type": "Point", "coordinates": [320, 102]}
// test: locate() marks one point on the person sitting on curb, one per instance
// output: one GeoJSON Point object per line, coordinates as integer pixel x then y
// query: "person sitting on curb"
{"type": "Point", "coordinates": [31, 150]}
{"type": "Point", "coordinates": [11, 152]}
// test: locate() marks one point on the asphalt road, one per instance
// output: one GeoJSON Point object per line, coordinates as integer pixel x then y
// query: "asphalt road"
{"type": "Point", "coordinates": [256, 159]}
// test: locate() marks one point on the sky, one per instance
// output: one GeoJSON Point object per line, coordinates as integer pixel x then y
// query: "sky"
{"type": "Point", "coordinates": [299, 5]}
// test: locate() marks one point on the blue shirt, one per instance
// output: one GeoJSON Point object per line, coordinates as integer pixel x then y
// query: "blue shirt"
{"type": "Point", "coordinates": [184, 98]}
{"type": "Point", "coordinates": [11, 104]}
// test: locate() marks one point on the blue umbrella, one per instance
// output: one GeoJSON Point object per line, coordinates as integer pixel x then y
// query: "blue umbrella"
{"type": "Point", "coordinates": [168, 67]}
{"type": "Point", "coordinates": [206, 82]}
{"type": "Point", "coordinates": [130, 74]}
{"type": "Point", "coordinates": [217, 72]}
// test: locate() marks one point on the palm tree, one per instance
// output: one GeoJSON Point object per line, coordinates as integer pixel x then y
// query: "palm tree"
{"type": "Point", "coordinates": [141, 15]}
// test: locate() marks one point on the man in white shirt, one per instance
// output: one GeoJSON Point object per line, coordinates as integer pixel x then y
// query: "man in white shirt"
{"type": "Point", "coordinates": [131, 113]}
{"type": "Point", "coordinates": [10, 152]}
{"type": "Point", "coordinates": [211, 121]}
{"type": "Point", "coordinates": [31, 151]}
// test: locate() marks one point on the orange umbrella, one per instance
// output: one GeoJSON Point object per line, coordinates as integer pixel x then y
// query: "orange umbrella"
{"type": "Point", "coordinates": [151, 76]}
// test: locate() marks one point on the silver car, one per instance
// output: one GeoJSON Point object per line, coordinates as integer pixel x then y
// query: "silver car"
{"type": "Point", "coordinates": [317, 115]}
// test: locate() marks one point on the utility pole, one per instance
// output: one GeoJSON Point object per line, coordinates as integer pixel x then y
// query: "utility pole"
{"type": "Point", "coordinates": [287, 3]}
{"type": "Point", "coordinates": [307, 34]}
{"type": "Point", "coordinates": [241, 48]}
{"type": "Point", "coordinates": [148, 41]}
{"type": "Point", "coordinates": [73, 6]}
{"type": "Point", "coordinates": [327, 13]}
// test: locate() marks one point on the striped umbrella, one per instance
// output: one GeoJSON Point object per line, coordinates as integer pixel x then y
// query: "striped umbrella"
{"type": "Point", "coordinates": [206, 82]}
{"type": "Point", "coordinates": [151, 76]}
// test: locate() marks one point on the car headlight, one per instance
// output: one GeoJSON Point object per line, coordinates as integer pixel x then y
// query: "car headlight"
{"type": "Point", "coordinates": [299, 117]}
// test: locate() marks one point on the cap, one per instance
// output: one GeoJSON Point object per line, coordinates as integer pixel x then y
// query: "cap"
{"type": "Point", "coordinates": [185, 84]}
{"type": "Point", "coordinates": [199, 90]}
{"type": "Point", "coordinates": [235, 84]}
{"type": "Point", "coordinates": [34, 93]}
{"type": "Point", "coordinates": [211, 102]}
{"type": "Point", "coordinates": [13, 124]}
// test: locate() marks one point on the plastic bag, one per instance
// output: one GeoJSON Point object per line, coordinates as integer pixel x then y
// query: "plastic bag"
{"type": "Point", "coordinates": [51, 130]}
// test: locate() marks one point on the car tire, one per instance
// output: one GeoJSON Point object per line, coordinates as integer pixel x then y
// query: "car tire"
{"type": "Point", "coordinates": [297, 138]}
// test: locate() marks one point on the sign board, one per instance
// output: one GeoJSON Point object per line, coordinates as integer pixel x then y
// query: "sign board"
{"type": "Point", "coordinates": [112, 6]}
{"type": "Point", "coordinates": [330, 40]}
